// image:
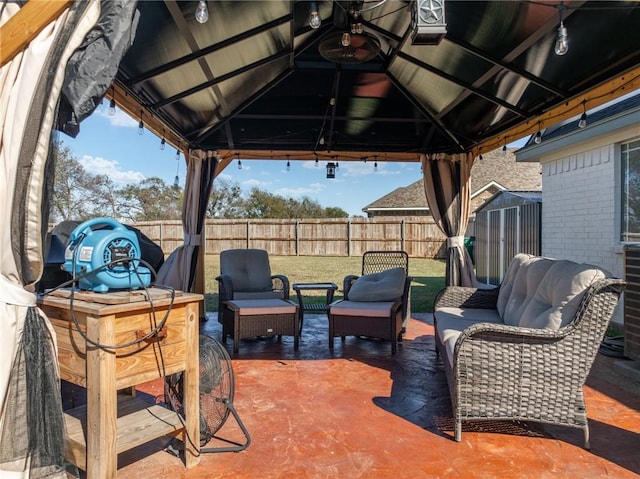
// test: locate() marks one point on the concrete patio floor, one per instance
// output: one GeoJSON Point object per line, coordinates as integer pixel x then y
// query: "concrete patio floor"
{"type": "Point", "coordinates": [361, 413]}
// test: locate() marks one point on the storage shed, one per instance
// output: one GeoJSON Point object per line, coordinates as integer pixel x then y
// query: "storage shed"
{"type": "Point", "coordinates": [506, 224]}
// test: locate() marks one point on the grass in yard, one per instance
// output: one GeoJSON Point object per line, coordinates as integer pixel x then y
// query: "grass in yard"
{"type": "Point", "coordinates": [428, 277]}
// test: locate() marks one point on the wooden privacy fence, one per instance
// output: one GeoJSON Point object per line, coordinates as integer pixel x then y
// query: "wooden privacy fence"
{"type": "Point", "coordinates": [418, 236]}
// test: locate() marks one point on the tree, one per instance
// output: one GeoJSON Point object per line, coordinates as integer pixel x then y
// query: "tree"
{"type": "Point", "coordinates": [78, 195]}
{"type": "Point", "coordinates": [226, 200]}
{"type": "Point", "coordinates": [150, 200]}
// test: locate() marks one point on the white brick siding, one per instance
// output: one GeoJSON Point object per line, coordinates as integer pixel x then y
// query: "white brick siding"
{"type": "Point", "coordinates": [579, 209]}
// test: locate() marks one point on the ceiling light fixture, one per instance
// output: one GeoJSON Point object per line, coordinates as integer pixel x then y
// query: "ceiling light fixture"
{"type": "Point", "coordinates": [314, 17]}
{"type": "Point", "coordinates": [202, 12]}
{"type": "Point", "coordinates": [428, 22]}
{"type": "Point", "coordinates": [582, 123]}
{"type": "Point", "coordinates": [562, 40]}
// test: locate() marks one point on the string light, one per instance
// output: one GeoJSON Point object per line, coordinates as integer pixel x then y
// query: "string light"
{"type": "Point", "coordinates": [239, 165]}
{"type": "Point", "coordinates": [112, 103]}
{"type": "Point", "coordinates": [140, 125]}
{"type": "Point", "coordinates": [314, 17]}
{"type": "Point", "coordinates": [582, 123]}
{"type": "Point", "coordinates": [177, 153]}
{"type": "Point", "coordinates": [562, 40]}
{"type": "Point", "coordinates": [202, 12]}
{"type": "Point", "coordinates": [163, 143]}
{"type": "Point", "coordinates": [538, 138]}
{"type": "Point", "coordinates": [288, 164]}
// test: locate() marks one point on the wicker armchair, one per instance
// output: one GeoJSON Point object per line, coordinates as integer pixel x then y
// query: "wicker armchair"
{"type": "Point", "coordinates": [518, 373]}
{"type": "Point", "coordinates": [246, 274]}
{"type": "Point", "coordinates": [373, 318]}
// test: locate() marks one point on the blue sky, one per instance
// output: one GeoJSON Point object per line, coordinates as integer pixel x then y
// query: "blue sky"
{"type": "Point", "coordinates": [111, 145]}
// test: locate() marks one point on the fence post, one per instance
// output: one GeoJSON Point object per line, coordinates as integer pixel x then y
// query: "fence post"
{"type": "Point", "coordinates": [297, 235]}
{"type": "Point", "coordinates": [402, 234]}
{"type": "Point", "coordinates": [349, 237]}
{"type": "Point", "coordinates": [248, 226]}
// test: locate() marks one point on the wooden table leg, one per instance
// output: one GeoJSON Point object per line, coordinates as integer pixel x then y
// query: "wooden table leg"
{"type": "Point", "coordinates": [192, 386]}
{"type": "Point", "coordinates": [102, 458]}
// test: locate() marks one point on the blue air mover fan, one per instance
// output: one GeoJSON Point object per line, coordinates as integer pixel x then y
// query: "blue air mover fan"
{"type": "Point", "coordinates": [105, 259]}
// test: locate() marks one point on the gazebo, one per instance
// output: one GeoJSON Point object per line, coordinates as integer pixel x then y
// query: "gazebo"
{"type": "Point", "coordinates": [431, 81]}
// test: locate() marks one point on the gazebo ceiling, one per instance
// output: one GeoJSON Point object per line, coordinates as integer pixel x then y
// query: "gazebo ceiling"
{"type": "Point", "coordinates": [252, 81]}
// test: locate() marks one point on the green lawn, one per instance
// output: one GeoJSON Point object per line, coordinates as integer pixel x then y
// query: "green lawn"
{"type": "Point", "coordinates": [428, 276]}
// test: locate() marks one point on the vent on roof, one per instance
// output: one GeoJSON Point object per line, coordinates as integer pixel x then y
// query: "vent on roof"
{"type": "Point", "coordinates": [363, 48]}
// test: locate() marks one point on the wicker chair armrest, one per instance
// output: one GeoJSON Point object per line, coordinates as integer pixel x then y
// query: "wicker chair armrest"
{"type": "Point", "coordinates": [347, 283]}
{"type": "Point", "coordinates": [464, 297]}
{"type": "Point", "coordinates": [225, 287]}
{"type": "Point", "coordinates": [281, 283]}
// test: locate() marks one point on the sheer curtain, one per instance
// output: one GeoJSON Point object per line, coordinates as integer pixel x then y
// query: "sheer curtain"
{"type": "Point", "coordinates": [447, 186]}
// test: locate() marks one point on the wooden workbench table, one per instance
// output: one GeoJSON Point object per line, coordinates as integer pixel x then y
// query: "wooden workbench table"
{"type": "Point", "coordinates": [111, 423]}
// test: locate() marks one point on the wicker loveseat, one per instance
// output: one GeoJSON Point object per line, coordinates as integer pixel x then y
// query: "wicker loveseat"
{"type": "Point", "coordinates": [523, 351]}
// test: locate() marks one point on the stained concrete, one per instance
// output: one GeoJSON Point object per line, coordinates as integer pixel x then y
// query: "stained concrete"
{"type": "Point", "coordinates": [360, 412]}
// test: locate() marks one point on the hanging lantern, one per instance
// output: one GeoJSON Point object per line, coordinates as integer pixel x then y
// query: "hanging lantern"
{"type": "Point", "coordinates": [331, 170]}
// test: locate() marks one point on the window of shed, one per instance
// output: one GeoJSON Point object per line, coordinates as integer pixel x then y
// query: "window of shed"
{"type": "Point", "coordinates": [630, 156]}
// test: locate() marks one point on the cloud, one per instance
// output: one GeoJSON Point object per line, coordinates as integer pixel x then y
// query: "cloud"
{"type": "Point", "coordinates": [255, 183]}
{"type": "Point", "coordinates": [110, 168]}
{"type": "Point", "coordinates": [120, 119]}
{"type": "Point", "coordinates": [301, 190]}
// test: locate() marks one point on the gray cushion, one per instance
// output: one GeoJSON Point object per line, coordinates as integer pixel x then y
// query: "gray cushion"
{"type": "Point", "coordinates": [523, 287]}
{"type": "Point", "coordinates": [557, 297]}
{"type": "Point", "coordinates": [384, 286]}
{"type": "Point", "coordinates": [248, 269]}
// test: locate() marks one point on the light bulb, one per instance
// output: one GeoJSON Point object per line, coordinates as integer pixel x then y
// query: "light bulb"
{"type": "Point", "coordinates": [583, 121]}
{"type": "Point", "coordinates": [314, 16]}
{"type": "Point", "coordinates": [140, 128]}
{"type": "Point", "coordinates": [288, 165]}
{"type": "Point", "coordinates": [353, 29]}
{"type": "Point", "coordinates": [177, 154]}
{"type": "Point", "coordinates": [316, 162]}
{"type": "Point", "coordinates": [239, 165]}
{"type": "Point", "coordinates": [375, 166]}
{"type": "Point", "coordinates": [538, 138]}
{"type": "Point", "coordinates": [202, 12]}
{"type": "Point", "coordinates": [562, 41]}
{"type": "Point", "coordinates": [346, 39]}
{"type": "Point", "coordinates": [176, 181]}
{"type": "Point", "coordinates": [112, 107]}
{"type": "Point", "coordinates": [359, 28]}
{"type": "Point", "coordinates": [162, 144]}
{"type": "Point", "coordinates": [321, 140]}
{"type": "Point", "coordinates": [504, 150]}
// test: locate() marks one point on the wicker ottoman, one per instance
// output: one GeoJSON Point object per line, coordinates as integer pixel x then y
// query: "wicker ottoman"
{"type": "Point", "coordinates": [374, 319]}
{"type": "Point", "coordinates": [248, 318]}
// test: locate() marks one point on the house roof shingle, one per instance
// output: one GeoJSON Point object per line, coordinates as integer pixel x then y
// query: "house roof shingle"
{"type": "Point", "coordinates": [494, 168]}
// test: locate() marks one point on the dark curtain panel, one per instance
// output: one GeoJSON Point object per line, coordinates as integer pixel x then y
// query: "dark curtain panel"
{"type": "Point", "coordinates": [179, 270]}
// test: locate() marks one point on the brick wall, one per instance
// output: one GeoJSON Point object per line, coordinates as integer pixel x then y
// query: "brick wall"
{"type": "Point", "coordinates": [579, 209]}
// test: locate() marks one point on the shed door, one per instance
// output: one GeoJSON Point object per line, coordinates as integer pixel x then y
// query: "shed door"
{"type": "Point", "coordinates": [503, 228]}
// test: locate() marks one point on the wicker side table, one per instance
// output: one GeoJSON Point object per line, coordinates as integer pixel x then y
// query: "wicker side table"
{"type": "Point", "coordinates": [247, 318]}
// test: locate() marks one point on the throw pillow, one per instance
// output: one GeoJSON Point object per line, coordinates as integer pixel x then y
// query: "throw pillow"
{"type": "Point", "coordinates": [384, 286]}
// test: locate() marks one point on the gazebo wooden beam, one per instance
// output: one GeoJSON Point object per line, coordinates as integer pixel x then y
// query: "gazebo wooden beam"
{"type": "Point", "coordinates": [26, 24]}
{"type": "Point", "coordinates": [599, 95]}
{"type": "Point", "coordinates": [228, 156]}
